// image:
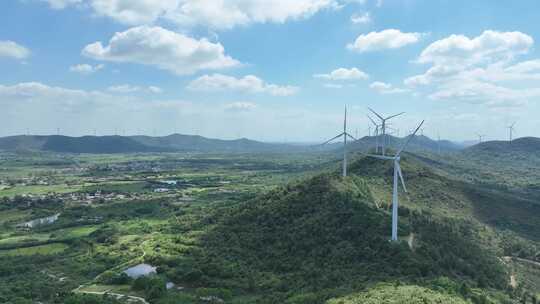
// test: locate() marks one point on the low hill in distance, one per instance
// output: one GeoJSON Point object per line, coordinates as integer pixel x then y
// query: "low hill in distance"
{"type": "Point", "coordinates": [181, 142]}
{"type": "Point", "coordinates": [137, 144]}
{"type": "Point", "coordinates": [420, 143]}
{"type": "Point", "coordinates": [524, 145]}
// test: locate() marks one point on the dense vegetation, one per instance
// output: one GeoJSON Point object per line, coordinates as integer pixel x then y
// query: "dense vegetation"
{"type": "Point", "coordinates": [260, 229]}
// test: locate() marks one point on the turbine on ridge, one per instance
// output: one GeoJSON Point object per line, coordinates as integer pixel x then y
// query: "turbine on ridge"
{"type": "Point", "coordinates": [383, 127]}
{"type": "Point", "coordinates": [345, 135]}
{"type": "Point", "coordinates": [397, 173]}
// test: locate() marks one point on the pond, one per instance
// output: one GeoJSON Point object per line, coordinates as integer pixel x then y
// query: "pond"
{"type": "Point", "coordinates": [140, 270]}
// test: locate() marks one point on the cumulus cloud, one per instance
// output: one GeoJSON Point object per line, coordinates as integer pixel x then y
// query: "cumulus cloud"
{"type": "Point", "coordinates": [163, 49]}
{"type": "Point", "coordinates": [479, 69]}
{"type": "Point", "coordinates": [208, 13]}
{"type": "Point", "coordinates": [12, 49]}
{"type": "Point", "coordinates": [249, 83]}
{"type": "Point", "coordinates": [344, 74]}
{"type": "Point", "coordinates": [489, 47]}
{"type": "Point", "coordinates": [387, 39]}
{"type": "Point", "coordinates": [85, 69]}
{"type": "Point", "coordinates": [240, 106]}
{"type": "Point", "coordinates": [361, 18]}
{"type": "Point", "coordinates": [134, 12]}
{"type": "Point", "coordinates": [386, 88]}
{"type": "Point", "coordinates": [126, 88]}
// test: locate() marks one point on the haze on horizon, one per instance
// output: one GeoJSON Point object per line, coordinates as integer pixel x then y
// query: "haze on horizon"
{"type": "Point", "coordinates": [271, 70]}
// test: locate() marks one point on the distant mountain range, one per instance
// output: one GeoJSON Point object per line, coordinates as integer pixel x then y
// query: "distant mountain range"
{"type": "Point", "coordinates": [196, 143]}
{"type": "Point", "coordinates": [135, 144]}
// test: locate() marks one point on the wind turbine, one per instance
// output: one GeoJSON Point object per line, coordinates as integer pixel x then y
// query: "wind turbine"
{"type": "Point", "coordinates": [397, 172]}
{"type": "Point", "coordinates": [480, 137]}
{"type": "Point", "coordinates": [511, 130]}
{"type": "Point", "coordinates": [376, 134]}
{"type": "Point", "coordinates": [383, 127]}
{"type": "Point", "coordinates": [345, 135]}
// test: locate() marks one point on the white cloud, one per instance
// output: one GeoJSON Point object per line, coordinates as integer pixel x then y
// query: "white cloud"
{"type": "Point", "coordinates": [155, 90]}
{"type": "Point", "coordinates": [480, 69]}
{"type": "Point", "coordinates": [134, 12]}
{"type": "Point", "coordinates": [35, 91]}
{"type": "Point", "coordinates": [483, 92]}
{"type": "Point", "coordinates": [344, 74]}
{"type": "Point", "coordinates": [240, 106]}
{"type": "Point", "coordinates": [489, 47]}
{"type": "Point", "coordinates": [221, 14]}
{"type": "Point", "coordinates": [361, 18]}
{"type": "Point", "coordinates": [162, 48]}
{"type": "Point", "coordinates": [387, 39]}
{"type": "Point", "coordinates": [13, 50]}
{"type": "Point", "coordinates": [61, 4]}
{"type": "Point", "coordinates": [249, 83]}
{"type": "Point", "coordinates": [85, 69]}
{"type": "Point", "coordinates": [126, 89]}
{"type": "Point", "coordinates": [386, 88]}
{"type": "Point", "coordinates": [228, 14]}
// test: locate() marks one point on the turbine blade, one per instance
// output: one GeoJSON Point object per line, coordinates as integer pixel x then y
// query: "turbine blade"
{"type": "Point", "coordinates": [380, 117]}
{"type": "Point", "coordinates": [351, 136]}
{"type": "Point", "coordinates": [394, 115]}
{"type": "Point", "coordinates": [338, 136]}
{"type": "Point", "coordinates": [409, 139]}
{"type": "Point", "coordinates": [401, 177]}
{"type": "Point", "coordinates": [372, 120]}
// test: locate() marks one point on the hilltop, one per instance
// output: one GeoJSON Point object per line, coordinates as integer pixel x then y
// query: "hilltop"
{"type": "Point", "coordinates": [327, 237]}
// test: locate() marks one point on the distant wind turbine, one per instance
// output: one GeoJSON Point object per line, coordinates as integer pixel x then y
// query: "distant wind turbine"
{"type": "Point", "coordinates": [397, 172]}
{"type": "Point", "coordinates": [480, 137]}
{"type": "Point", "coordinates": [383, 127]}
{"type": "Point", "coordinates": [511, 131]}
{"type": "Point", "coordinates": [345, 135]}
{"type": "Point", "coordinates": [376, 134]}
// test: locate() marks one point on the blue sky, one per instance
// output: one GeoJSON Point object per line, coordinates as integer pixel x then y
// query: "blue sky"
{"type": "Point", "coordinates": [271, 70]}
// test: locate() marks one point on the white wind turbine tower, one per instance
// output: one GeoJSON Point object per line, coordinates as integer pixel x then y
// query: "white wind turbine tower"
{"type": "Point", "coordinates": [511, 131]}
{"type": "Point", "coordinates": [397, 172]}
{"type": "Point", "coordinates": [345, 135]}
{"type": "Point", "coordinates": [383, 127]}
{"type": "Point", "coordinates": [376, 134]}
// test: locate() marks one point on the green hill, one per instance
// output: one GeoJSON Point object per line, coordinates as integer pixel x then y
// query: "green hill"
{"type": "Point", "coordinates": [328, 237]}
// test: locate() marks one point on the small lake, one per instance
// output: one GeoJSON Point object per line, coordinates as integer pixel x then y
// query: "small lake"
{"type": "Point", "coordinates": [140, 270]}
{"type": "Point", "coordinates": [41, 221]}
